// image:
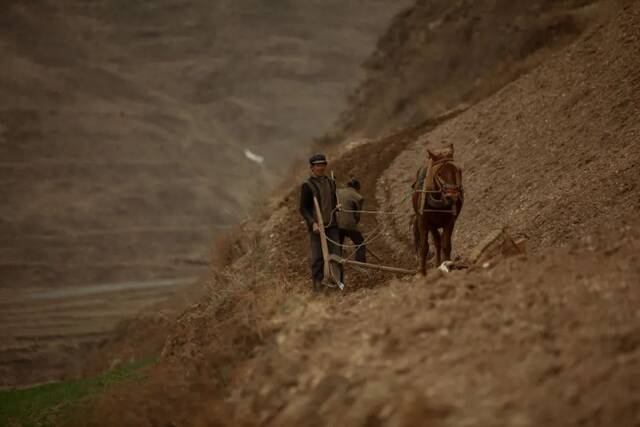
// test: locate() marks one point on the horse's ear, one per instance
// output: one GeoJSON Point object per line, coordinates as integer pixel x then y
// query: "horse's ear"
{"type": "Point", "coordinates": [430, 154]}
{"type": "Point", "coordinates": [451, 148]}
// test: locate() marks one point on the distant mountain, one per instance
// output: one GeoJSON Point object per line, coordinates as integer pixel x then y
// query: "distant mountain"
{"type": "Point", "coordinates": [123, 124]}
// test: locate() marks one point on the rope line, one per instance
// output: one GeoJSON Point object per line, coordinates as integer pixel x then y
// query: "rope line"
{"type": "Point", "coordinates": [368, 212]}
{"type": "Point", "coordinates": [369, 238]}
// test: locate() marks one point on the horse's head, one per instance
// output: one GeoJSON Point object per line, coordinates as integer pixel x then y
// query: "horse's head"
{"type": "Point", "coordinates": [447, 176]}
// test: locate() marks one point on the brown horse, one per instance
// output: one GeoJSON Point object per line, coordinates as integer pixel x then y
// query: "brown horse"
{"type": "Point", "coordinates": [437, 202]}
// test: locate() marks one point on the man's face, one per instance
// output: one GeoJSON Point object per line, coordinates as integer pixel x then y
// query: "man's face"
{"type": "Point", "coordinates": [319, 169]}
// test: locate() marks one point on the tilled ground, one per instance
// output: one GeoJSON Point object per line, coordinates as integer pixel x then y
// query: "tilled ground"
{"type": "Point", "coordinates": [550, 342]}
{"type": "Point", "coordinates": [287, 239]}
{"type": "Point", "coordinates": [551, 339]}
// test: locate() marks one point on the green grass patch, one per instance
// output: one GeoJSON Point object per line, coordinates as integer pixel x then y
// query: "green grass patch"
{"type": "Point", "coordinates": [49, 404]}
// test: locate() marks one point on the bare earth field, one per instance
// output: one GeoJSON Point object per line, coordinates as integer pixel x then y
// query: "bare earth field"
{"type": "Point", "coordinates": [550, 338]}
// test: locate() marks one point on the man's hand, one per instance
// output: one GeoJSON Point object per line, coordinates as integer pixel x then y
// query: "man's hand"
{"type": "Point", "coordinates": [316, 228]}
{"type": "Point", "coordinates": [339, 206]}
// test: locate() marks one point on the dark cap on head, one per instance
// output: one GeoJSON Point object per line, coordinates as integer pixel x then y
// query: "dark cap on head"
{"type": "Point", "coordinates": [317, 159]}
{"type": "Point", "coordinates": [354, 183]}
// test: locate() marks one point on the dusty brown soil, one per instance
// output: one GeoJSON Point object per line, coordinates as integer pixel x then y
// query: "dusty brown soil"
{"type": "Point", "coordinates": [520, 344]}
{"type": "Point", "coordinates": [553, 156]}
{"type": "Point", "coordinates": [121, 160]}
{"type": "Point", "coordinates": [441, 53]}
{"type": "Point", "coordinates": [550, 339]}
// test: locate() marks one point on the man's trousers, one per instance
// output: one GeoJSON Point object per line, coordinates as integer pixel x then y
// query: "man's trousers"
{"type": "Point", "coordinates": [356, 237]}
{"type": "Point", "coordinates": [317, 261]}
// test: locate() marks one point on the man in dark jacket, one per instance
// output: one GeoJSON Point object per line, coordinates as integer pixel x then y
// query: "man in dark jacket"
{"type": "Point", "coordinates": [351, 200]}
{"type": "Point", "coordinates": [324, 189]}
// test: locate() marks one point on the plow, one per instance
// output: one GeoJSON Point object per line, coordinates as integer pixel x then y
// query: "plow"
{"type": "Point", "coordinates": [332, 261]}
{"type": "Point", "coordinates": [436, 200]}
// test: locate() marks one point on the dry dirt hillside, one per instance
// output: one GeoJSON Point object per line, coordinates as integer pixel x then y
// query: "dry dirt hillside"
{"type": "Point", "coordinates": [505, 41]}
{"type": "Point", "coordinates": [551, 338]}
{"type": "Point", "coordinates": [122, 132]}
{"type": "Point", "coordinates": [441, 53]}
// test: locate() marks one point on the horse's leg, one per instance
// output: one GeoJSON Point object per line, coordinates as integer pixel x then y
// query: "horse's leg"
{"type": "Point", "coordinates": [447, 233]}
{"type": "Point", "coordinates": [438, 244]}
{"type": "Point", "coordinates": [416, 236]}
{"type": "Point", "coordinates": [423, 248]}
{"type": "Point", "coordinates": [416, 240]}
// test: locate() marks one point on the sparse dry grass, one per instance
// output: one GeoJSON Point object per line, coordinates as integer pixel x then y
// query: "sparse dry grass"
{"type": "Point", "coordinates": [206, 348]}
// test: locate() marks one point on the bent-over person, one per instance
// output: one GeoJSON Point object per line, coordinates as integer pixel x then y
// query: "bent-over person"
{"type": "Point", "coordinates": [351, 200]}
{"type": "Point", "coordinates": [324, 189]}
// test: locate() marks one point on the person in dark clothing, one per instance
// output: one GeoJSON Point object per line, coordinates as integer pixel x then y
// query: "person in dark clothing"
{"type": "Point", "coordinates": [324, 189]}
{"type": "Point", "coordinates": [351, 200]}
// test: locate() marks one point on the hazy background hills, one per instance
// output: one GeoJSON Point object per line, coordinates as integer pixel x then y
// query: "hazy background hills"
{"type": "Point", "coordinates": [123, 124]}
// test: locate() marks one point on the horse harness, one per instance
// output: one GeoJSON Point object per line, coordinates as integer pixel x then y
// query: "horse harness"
{"type": "Point", "coordinates": [433, 185]}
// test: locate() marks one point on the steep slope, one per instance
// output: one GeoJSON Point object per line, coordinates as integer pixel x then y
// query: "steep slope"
{"type": "Point", "coordinates": [441, 53]}
{"type": "Point", "coordinates": [553, 155]}
{"type": "Point", "coordinates": [552, 339]}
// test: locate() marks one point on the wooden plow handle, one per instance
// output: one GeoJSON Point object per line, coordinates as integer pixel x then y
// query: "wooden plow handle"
{"type": "Point", "coordinates": [323, 238]}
